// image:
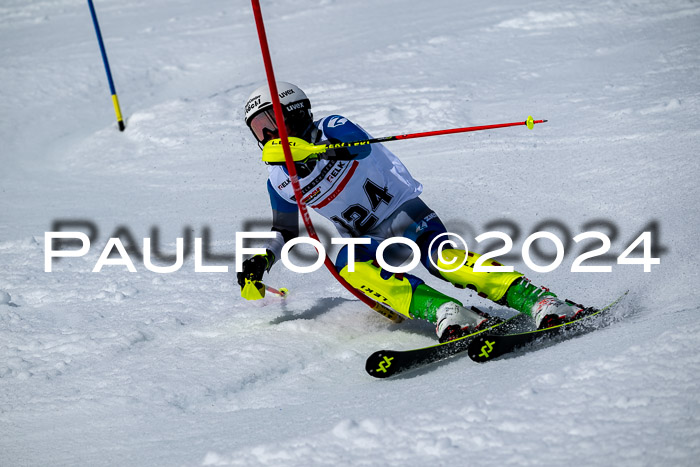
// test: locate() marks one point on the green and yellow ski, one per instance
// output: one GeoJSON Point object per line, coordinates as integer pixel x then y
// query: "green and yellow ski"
{"type": "Point", "coordinates": [488, 345]}
{"type": "Point", "coordinates": [481, 346]}
{"type": "Point", "coordinates": [385, 363]}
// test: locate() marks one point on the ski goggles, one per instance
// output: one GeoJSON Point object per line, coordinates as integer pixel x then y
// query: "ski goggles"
{"type": "Point", "coordinates": [264, 126]}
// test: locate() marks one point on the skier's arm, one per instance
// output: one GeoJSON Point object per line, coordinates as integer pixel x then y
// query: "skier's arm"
{"type": "Point", "coordinates": [285, 224]}
{"type": "Point", "coordinates": [339, 129]}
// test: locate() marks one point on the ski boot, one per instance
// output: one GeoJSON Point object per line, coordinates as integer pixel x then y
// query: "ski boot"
{"type": "Point", "coordinates": [543, 305]}
{"type": "Point", "coordinates": [455, 321]}
{"type": "Point", "coordinates": [550, 311]}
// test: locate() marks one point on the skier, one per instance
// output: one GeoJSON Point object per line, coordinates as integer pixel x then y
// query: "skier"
{"type": "Point", "coordinates": [367, 192]}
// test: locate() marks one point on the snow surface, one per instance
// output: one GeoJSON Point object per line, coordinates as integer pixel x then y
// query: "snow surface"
{"type": "Point", "coordinates": [119, 368]}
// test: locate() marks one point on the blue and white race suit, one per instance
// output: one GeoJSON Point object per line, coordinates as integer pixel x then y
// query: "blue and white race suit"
{"type": "Point", "coordinates": [357, 195]}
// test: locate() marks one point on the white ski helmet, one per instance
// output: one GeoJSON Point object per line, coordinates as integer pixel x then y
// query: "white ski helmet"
{"type": "Point", "coordinates": [260, 117]}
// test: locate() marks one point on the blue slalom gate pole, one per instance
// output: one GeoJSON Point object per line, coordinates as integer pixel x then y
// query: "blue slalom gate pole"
{"type": "Point", "coordinates": [115, 100]}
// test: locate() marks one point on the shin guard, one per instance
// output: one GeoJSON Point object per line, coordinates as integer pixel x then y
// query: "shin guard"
{"type": "Point", "coordinates": [404, 293]}
{"type": "Point", "coordinates": [491, 285]}
{"type": "Point", "coordinates": [395, 291]}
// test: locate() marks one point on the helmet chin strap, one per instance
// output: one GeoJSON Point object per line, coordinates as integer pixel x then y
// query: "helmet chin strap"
{"type": "Point", "coordinates": [304, 169]}
{"type": "Point", "coordinates": [315, 134]}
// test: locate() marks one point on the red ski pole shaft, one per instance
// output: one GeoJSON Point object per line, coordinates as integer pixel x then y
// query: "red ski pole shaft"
{"type": "Point", "coordinates": [463, 130]}
{"type": "Point", "coordinates": [529, 123]}
{"type": "Point", "coordinates": [281, 292]}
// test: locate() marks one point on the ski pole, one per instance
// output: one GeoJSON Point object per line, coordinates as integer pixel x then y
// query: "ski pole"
{"type": "Point", "coordinates": [273, 152]}
{"type": "Point", "coordinates": [115, 100]}
{"type": "Point", "coordinates": [530, 122]}
{"type": "Point", "coordinates": [282, 292]}
{"type": "Point", "coordinates": [255, 290]}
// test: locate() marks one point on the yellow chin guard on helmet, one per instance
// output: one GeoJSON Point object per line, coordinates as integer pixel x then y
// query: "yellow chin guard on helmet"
{"type": "Point", "coordinates": [273, 152]}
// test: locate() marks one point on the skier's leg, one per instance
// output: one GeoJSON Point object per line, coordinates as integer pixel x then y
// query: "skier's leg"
{"type": "Point", "coordinates": [544, 306]}
{"type": "Point", "coordinates": [399, 291]}
{"type": "Point", "coordinates": [424, 227]}
{"type": "Point", "coordinates": [508, 288]}
{"type": "Point", "coordinates": [505, 288]}
{"type": "Point", "coordinates": [407, 294]}
{"type": "Point", "coordinates": [491, 285]}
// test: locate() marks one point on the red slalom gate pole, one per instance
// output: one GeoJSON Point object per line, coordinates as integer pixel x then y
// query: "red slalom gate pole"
{"type": "Point", "coordinates": [289, 161]}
